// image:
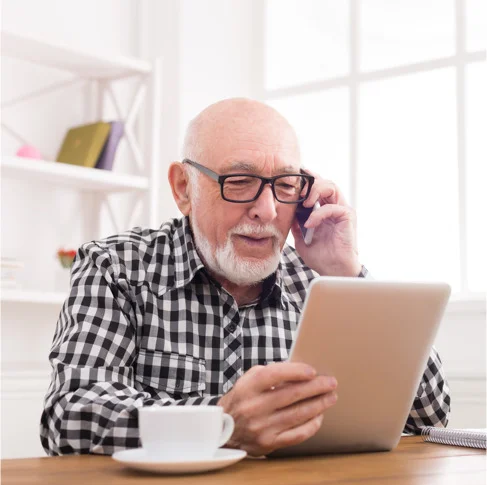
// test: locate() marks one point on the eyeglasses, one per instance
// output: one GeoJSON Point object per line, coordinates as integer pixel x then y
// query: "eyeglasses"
{"type": "Point", "coordinates": [242, 187]}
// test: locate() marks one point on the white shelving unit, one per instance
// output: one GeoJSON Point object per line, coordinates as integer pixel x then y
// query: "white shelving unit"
{"type": "Point", "coordinates": [97, 185]}
{"type": "Point", "coordinates": [62, 174]}
{"type": "Point", "coordinates": [53, 201]}
{"type": "Point", "coordinates": [81, 178]}
{"type": "Point", "coordinates": [85, 64]}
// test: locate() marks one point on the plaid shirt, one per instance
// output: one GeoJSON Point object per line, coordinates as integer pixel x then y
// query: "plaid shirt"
{"type": "Point", "coordinates": [144, 324]}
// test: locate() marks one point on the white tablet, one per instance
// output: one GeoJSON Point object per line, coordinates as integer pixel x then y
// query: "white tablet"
{"type": "Point", "coordinates": [375, 337]}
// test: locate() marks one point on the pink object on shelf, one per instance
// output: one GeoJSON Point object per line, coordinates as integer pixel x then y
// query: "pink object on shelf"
{"type": "Point", "coordinates": [29, 151]}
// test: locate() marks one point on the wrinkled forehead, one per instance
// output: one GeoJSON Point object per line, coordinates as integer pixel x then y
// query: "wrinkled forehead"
{"type": "Point", "coordinates": [258, 164]}
{"type": "Point", "coordinates": [255, 147]}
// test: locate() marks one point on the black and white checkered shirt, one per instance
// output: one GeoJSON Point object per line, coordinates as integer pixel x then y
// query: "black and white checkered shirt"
{"type": "Point", "coordinates": [144, 324]}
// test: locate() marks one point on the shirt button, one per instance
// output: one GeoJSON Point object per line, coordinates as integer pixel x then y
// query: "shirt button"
{"type": "Point", "coordinates": [232, 327]}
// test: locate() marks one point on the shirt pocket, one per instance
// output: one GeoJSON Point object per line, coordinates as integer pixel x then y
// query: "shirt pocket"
{"type": "Point", "coordinates": [178, 375]}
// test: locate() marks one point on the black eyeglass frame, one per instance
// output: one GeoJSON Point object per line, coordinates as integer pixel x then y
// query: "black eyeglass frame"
{"type": "Point", "coordinates": [264, 181]}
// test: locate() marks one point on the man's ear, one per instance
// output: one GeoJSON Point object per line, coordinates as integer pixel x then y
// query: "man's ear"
{"type": "Point", "coordinates": [179, 181]}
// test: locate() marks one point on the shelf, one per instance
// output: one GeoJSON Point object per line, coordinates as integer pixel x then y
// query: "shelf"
{"type": "Point", "coordinates": [63, 174]}
{"type": "Point", "coordinates": [85, 64]}
{"type": "Point", "coordinates": [32, 296]}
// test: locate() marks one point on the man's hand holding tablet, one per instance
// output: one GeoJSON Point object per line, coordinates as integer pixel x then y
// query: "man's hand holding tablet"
{"type": "Point", "coordinates": [277, 405]}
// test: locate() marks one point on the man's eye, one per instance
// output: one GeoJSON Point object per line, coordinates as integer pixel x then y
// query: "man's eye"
{"type": "Point", "coordinates": [236, 182]}
{"type": "Point", "coordinates": [285, 186]}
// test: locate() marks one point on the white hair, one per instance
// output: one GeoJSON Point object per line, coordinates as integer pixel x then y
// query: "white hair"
{"type": "Point", "coordinates": [225, 261]}
{"type": "Point", "coordinates": [192, 150]}
{"type": "Point", "coordinates": [193, 176]}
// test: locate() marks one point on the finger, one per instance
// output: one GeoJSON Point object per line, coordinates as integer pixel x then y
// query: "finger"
{"type": "Point", "coordinates": [329, 211]}
{"type": "Point", "coordinates": [289, 394]}
{"type": "Point", "coordinates": [266, 377]}
{"type": "Point", "coordinates": [299, 434]}
{"type": "Point", "coordinates": [323, 192]}
{"type": "Point", "coordinates": [302, 411]}
{"type": "Point", "coordinates": [305, 189]}
{"type": "Point", "coordinates": [310, 172]}
{"type": "Point", "coordinates": [265, 432]}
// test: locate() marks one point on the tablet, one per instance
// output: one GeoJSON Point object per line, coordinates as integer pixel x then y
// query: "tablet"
{"type": "Point", "coordinates": [375, 337]}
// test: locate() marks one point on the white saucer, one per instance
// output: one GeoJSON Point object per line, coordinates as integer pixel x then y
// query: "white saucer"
{"type": "Point", "coordinates": [137, 458]}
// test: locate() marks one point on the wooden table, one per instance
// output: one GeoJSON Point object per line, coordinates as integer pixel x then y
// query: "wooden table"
{"type": "Point", "coordinates": [412, 462]}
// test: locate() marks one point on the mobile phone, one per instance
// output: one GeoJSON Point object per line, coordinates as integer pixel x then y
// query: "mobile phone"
{"type": "Point", "coordinates": [302, 214]}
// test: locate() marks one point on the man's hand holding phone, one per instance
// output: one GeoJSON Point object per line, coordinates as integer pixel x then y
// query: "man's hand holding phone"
{"type": "Point", "coordinates": [331, 249]}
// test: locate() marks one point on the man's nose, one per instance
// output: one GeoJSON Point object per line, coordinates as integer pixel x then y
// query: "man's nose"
{"type": "Point", "coordinates": [264, 208]}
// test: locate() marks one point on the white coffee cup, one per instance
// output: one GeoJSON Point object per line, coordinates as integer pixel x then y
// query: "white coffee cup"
{"type": "Point", "coordinates": [183, 432]}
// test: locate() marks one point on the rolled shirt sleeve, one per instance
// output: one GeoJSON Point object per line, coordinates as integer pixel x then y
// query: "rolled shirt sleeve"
{"type": "Point", "coordinates": [431, 406]}
{"type": "Point", "coordinates": [92, 401]}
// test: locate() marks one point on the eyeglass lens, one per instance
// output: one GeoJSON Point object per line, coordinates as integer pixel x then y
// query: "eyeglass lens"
{"type": "Point", "coordinates": [240, 188]}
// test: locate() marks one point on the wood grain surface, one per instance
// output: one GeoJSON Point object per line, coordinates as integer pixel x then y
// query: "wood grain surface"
{"type": "Point", "coordinates": [412, 462]}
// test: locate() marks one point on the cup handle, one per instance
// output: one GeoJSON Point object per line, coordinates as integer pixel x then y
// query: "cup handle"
{"type": "Point", "coordinates": [228, 426]}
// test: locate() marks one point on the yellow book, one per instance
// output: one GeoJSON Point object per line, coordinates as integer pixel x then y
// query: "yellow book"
{"type": "Point", "coordinates": [82, 145]}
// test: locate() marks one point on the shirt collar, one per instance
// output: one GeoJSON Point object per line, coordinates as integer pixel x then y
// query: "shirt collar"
{"type": "Point", "coordinates": [187, 261]}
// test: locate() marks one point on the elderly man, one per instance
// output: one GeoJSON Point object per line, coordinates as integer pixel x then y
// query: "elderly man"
{"type": "Point", "coordinates": [204, 309]}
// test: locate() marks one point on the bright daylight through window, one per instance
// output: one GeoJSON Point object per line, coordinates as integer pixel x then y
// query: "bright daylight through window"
{"type": "Point", "coordinates": [388, 100]}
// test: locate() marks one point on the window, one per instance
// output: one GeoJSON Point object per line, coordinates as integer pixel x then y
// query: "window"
{"type": "Point", "coordinates": [388, 100]}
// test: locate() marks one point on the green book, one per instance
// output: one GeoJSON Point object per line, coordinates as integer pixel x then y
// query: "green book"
{"type": "Point", "coordinates": [82, 145]}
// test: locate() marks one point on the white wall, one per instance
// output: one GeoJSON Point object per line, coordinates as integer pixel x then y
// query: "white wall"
{"type": "Point", "coordinates": [216, 46]}
{"type": "Point", "coordinates": [208, 49]}
{"type": "Point", "coordinates": [461, 342]}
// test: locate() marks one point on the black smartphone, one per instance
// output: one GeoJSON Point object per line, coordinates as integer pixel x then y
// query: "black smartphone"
{"type": "Point", "coordinates": [302, 214]}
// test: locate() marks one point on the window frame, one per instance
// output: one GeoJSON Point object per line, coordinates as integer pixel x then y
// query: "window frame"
{"type": "Point", "coordinates": [473, 301]}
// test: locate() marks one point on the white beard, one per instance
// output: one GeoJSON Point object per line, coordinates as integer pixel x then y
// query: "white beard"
{"type": "Point", "coordinates": [225, 262]}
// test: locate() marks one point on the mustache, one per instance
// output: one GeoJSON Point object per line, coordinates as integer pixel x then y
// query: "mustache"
{"type": "Point", "coordinates": [267, 230]}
